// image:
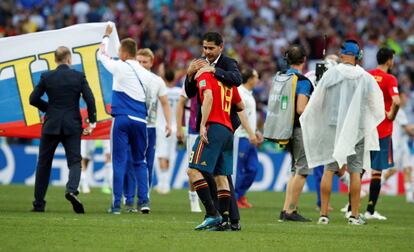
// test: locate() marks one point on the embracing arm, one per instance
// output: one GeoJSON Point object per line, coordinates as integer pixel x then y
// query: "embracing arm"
{"type": "Point", "coordinates": [231, 75]}
{"type": "Point", "coordinates": [190, 86]}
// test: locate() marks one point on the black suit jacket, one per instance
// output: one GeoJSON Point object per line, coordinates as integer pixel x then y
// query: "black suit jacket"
{"type": "Point", "coordinates": [227, 71]}
{"type": "Point", "coordinates": [63, 87]}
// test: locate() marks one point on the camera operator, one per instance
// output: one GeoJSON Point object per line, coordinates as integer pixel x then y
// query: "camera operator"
{"type": "Point", "coordinates": [339, 125]}
{"type": "Point", "coordinates": [314, 76]}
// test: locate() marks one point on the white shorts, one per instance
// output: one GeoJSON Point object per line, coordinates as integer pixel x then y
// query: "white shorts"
{"type": "Point", "coordinates": [87, 149]}
{"type": "Point", "coordinates": [402, 158]}
{"type": "Point", "coordinates": [165, 146]}
{"type": "Point", "coordinates": [191, 138]}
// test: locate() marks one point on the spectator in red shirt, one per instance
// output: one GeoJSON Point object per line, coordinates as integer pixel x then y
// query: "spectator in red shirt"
{"type": "Point", "coordinates": [383, 159]}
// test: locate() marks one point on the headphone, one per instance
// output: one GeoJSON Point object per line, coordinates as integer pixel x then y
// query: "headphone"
{"type": "Point", "coordinates": [351, 47]}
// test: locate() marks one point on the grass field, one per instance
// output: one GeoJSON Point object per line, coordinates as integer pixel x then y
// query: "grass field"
{"type": "Point", "coordinates": [170, 226]}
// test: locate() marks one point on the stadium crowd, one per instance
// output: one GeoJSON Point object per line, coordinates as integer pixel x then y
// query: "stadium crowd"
{"type": "Point", "coordinates": [257, 32]}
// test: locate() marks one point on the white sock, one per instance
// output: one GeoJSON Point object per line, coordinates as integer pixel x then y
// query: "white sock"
{"type": "Point", "coordinates": [165, 179]}
{"type": "Point", "coordinates": [108, 175]}
{"type": "Point", "coordinates": [192, 195]}
{"type": "Point", "coordinates": [408, 187]}
{"type": "Point", "coordinates": [345, 179]}
{"type": "Point", "coordinates": [383, 180]}
{"type": "Point", "coordinates": [161, 179]}
{"type": "Point", "coordinates": [84, 178]}
{"type": "Point", "coordinates": [408, 191]}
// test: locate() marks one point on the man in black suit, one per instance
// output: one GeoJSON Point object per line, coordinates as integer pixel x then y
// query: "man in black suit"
{"type": "Point", "coordinates": [226, 70]}
{"type": "Point", "coordinates": [62, 124]}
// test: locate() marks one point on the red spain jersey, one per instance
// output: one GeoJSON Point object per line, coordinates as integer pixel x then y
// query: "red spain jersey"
{"type": "Point", "coordinates": [223, 98]}
{"type": "Point", "coordinates": [389, 86]}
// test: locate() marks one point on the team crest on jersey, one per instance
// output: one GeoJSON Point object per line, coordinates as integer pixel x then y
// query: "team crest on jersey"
{"type": "Point", "coordinates": [203, 163]}
{"type": "Point", "coordinates": [202, 83]}
{"type": "Point", "coordinates": [378, 78]}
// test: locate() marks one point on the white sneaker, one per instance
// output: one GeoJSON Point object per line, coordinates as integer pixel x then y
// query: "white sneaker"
{"type": "Point", "coordinates": [356, 221]}
{"type": "Point", "coordinates": [345, 208]}
{"type": "Point", "coordinates": [348, 214]}
{"type": "Point", "coordinates": [323, 220]}
{"type": "Point", "coordinates": [194, 204]}
{"type": "Point", "coordinates": [162, 189]}
{"type": "Point", "coordinates": [363, 193]}
{"type": "Point", "coordinates": [85, 188]}
{"type": "Point", "coordinates": [409, 197]}
{"type": "Point", "coordinates": [374, 216]}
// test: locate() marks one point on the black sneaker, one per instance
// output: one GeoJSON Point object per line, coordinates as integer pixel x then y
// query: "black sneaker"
{"type": "Point", "coordinates": [77, 205]}
{"type": "Point", "coordinates": [145, 208]}
{"type": "Point", "coordinates": [38, 207]}
{"type": "Point", "coordinates": [235, 226]}
{"type": "Point", "coordinates": [295, 216]}
{"type": "Point", "coordinates": [224, 226]}
{"type": "Point", "coordinates": [282, 216]}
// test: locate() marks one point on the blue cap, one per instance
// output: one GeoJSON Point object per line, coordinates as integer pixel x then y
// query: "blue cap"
{"type": "Point", "coordinates": [350, 48]}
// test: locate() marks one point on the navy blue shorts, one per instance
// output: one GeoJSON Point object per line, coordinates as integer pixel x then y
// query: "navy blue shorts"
{"type": "Point", "coordinates": [216, 157]}
{"type": "Point", "coordinates": [384, 158]}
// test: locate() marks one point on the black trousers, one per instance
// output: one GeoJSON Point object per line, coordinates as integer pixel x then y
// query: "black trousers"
{"type": "Point", "coordinates": [47, 148]}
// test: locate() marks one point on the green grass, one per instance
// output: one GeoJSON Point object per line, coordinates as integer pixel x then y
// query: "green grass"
{"type": "Point", "coordinates": [170, 226]}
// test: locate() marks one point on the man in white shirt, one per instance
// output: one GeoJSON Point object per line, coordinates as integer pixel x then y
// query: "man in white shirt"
{"type": "Point", "coordinates": [246, 139]}
{"type": "Point", "coordinates": [129, 109]}
{"type": "Point", "coordinates": [166, 146]}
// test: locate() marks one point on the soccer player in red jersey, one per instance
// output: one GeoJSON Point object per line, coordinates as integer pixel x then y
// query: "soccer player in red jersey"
{"type": "Point", "coordinates": [212, 152]}
{"type": "Point", "coordinates": [383, 159]}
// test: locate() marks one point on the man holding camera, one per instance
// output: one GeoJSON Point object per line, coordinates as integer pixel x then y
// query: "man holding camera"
{"type": "Point", "coordinates": [339, 125]}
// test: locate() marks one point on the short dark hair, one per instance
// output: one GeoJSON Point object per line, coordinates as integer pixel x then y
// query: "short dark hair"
{"type": "Point", "coordinates": [384, 54]}
{"type": "Point", "coordinates": [130, 46]}
{"type": "Point", "coordinates": [295, 55]}
{"type": "Point", "coordinates": [169, 74]}
{"type": "Point", "coordinates": [246, 74]}
{"type": "Point", "coordinates": [62, 53]}
{"type": "Point", "coordinates": [213, 37]}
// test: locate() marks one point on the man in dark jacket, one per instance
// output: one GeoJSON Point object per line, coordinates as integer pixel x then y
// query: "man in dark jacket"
{"type": "Point", "coordinates": [62, 124]}
{"type": "Point", "coordinates": [225, 70]}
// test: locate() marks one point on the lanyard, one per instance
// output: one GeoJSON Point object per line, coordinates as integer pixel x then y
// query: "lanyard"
{"type": "Point", "coordinates": [139, 80]}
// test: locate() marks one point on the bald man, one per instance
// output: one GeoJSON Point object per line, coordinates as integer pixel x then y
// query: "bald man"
{"type": "Point", "coordinates": [62, 124]}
